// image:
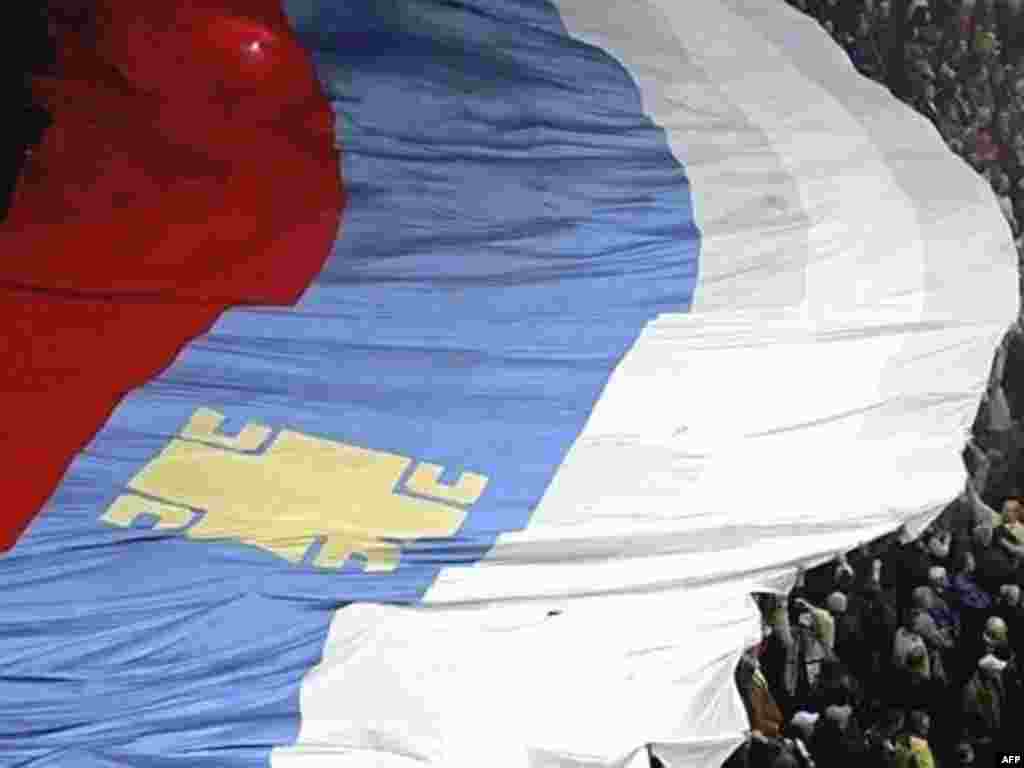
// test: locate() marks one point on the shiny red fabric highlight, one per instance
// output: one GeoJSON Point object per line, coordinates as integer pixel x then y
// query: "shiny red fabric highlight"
{"type": "Point", "coordinates": [191, 167]}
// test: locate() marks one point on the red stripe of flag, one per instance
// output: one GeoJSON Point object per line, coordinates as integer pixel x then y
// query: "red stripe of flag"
{"type": "Point", "coordinates": [190, 167]}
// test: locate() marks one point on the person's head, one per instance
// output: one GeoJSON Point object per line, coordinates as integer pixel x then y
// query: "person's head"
{"type": "Point", "coordinates": [922, 598]}
{"type": "Point", "coordinates": [995, 633]}
{"type": "Point", "coordinates": [937, 578]}
{"type": "Point", "coordinates": [938, 544]}
{"type": "Point", "coordinates": [836, 603]}
{"type": "Point", "coordinates": [989, 667]}
{"type": "Point", "coordinates": [1009, 594]}
{"type": "Point", "coordinates": [839, 716]}
{"type": "Point", "coordinates": [929, 90]}
{"type": "Point", "coordinates": [964, 752]}
{"type": "Point", "coordinates": [863, 25]}
{"type": "Point", "coordinates": [985, 115]}
{"type": "Point", "coordinates": [884, 8]}
{"type": "Point", "coordinates": [804, 723]}
{"type": "Point", "coordinates": [1011, 507]}
{"type": "Point", "coordinates": [965, 562]}
{"type": "Point", "coordinates": [920, 723]}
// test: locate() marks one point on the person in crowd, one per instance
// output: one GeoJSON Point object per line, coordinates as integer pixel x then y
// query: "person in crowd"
{"type": "Point", "coordinates": [981, 134]}
{"type": "Point", "coordinates": [919, 16]}
{"type": "Point", "coordinates": [881, 618]}
{"type": "Point", "coordinates": [1013, 520]}
{"type": "Point", "coordinates": [785, 758]}
{"type": "Point", "coordinates": [928, 625]}
{"type": "Point", "coordinates": [765, 715]}
{"type": "Point", "coordinates": [1008, 608]}
{"type": "Point", "coordinates": [835, 686]}
{"type": "Point", "coordinates": [913, 684]}
{"type": "Point", "coordinates": [996, 638]}
{"type": "Point", "coordinates": [1013, 700]}
{"type": "Point", "coordinates": [994, 565]}
{"type": "Point", "coordinates": [938, 639]}
{"type": "Point", "coordinates": [906, 640]}
{"type": "Point", "coordinates": [943, 610]}
{"type": "Point", "coordinates": [979, 92]}
{"type": "Point", "coordinates": [837, 740]}
{"type": "Point", "coordinates": [986, 44]}
{"type": "Point", "coordinates": [938, 541]}
{"type": "Point", "coordinates": [1001, 187]}
{"type": "Point", "coordinates": [780, 658]}
{"type": "Point", "coordinates": [865, 51]}
{"type": "Point", "coordinates": [982, 703]}
{"type": "Point", "coordinates": [882, 738]}
{"type": "Point", "coordinates": [963, 755]}
{"type": "Point", "coordinates": [850, 641]}
{"type": "Point", "coordinates": [1003, 541]}
{"type": "Point", "coordinates": [907, 562]}
{"type": "Point", "coordinates": [957, 55]}
{"type": "Point", "coordinates": [814, 634]}
{"type": "Point", "coordinates": [972, 602]}
{"type": "Point", "coordinates": [919, 727]}
{"type": "Point", "coordinates": [950, 123]}
{"type": "Point", "coordinates": [798, 734]}
{"type": "Point", "coordinates": [1011, 22]}
{"type": "Point", "coordinates": [1014, 167]}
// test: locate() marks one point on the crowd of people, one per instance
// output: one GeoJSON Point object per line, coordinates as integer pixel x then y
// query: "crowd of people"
{"type": "Point", "coordinates": [909, 651]}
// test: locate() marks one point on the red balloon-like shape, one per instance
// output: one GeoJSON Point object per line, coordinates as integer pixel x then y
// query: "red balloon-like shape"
{"type": "Point", "coordinates": [191, 167]}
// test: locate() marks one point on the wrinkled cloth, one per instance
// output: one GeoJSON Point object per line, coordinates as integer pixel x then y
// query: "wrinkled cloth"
{"type": "Point", "coordinates": [969, 594]}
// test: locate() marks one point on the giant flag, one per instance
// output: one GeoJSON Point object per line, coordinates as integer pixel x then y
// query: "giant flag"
{"type": "Point", "coordinates": [402, 383]}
